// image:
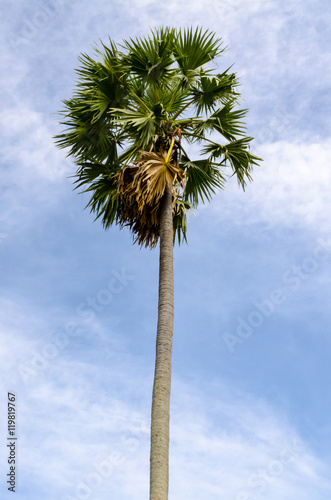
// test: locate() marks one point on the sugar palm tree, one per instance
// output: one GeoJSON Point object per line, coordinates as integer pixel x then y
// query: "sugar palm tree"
{"type": "Point", "coordinates": [136, 109]}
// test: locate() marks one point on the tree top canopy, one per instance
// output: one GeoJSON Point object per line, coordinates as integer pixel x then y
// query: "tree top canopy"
{"type": "Point", "coordinates": [136, 109]}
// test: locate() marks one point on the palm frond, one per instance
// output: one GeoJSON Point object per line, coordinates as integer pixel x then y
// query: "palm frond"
{"type": "Point", "coordinates": [104, 201]}
{"type": "Point", "coordinates": [136, 123]}
{"type": "Point", "coordinates": [180, 207]}
{"type": "Point", "coordinates": [88, 172]}
{"type": "Point", "coordinates": [89, 141]}
{"type": "Point", "coordinates": [225, 121]}
{"type": "Point", "coordinates": [212, 91]}
{"type": "Point", "coordinates": [194, 49]}
{"type": "Point", "coordinates": [151, 57]}
{"type": "Point", "coordinates": [238, 156]}
{"type": "Point", "coordinates": [203, 180]}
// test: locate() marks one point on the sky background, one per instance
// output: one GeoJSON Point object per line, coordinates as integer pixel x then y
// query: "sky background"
{"type": "Point", "coordinates": [250, 410]}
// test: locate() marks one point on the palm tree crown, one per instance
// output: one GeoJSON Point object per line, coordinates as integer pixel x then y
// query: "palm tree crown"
{"type": "Point", "coordinates": [135, 109]}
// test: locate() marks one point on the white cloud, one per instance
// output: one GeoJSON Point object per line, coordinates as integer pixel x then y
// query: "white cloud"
{"type": "Point", "coordinates": [84, 427]}
{"type": "Point", "coordinates": [34, 172]}
{"type": "Point", "coordinates": [29, 145]}
{"type": "Point", "coordinates": [220, 447]}
{"type": "Point", "coordinates": [291, 187]}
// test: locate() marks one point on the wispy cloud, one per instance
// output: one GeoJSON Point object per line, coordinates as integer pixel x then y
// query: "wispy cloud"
{"type": "Point", "coordinates": [291, 187]}
{"type": "Point", "coordinates": [94, 437]}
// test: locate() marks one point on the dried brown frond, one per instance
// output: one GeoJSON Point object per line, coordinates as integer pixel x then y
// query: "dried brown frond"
{"type": "Point", "coordinates": [141, 187]}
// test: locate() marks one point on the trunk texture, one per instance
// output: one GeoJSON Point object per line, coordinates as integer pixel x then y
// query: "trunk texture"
{"type": "Point", "coordinates": [159, 460]}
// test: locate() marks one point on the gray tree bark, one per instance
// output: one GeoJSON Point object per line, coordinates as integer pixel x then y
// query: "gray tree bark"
{"type": "Point", "coordinates": [159, 458]}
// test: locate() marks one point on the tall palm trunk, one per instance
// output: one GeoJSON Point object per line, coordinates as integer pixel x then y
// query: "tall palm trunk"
{"type": "Point", "coordinates": [159, 460]}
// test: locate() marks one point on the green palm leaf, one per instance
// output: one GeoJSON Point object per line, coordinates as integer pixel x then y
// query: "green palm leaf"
{"type": "Point", "coordinates": [225, 121]}
{"type": "Point", "coordinates": [236, 154]}
{"type": "Point", "coordinates": [180, 209]}
{"type": "Point", "coordinates": [150, 58]}
{"type": "Point", "coordinates": [203, 180]}
{"type": "Point", "coordinates": [195, 49]}
{"type": "Point", "coordinates": [211, 91]}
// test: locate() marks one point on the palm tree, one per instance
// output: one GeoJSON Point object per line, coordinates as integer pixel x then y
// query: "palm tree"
{"type": "Point", "coordinates": [136, 108]}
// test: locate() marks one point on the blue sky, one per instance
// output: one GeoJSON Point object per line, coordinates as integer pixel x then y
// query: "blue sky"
{"type": "Point", "coordinates": [250, 395]}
